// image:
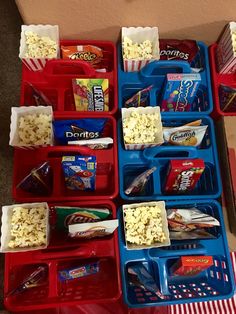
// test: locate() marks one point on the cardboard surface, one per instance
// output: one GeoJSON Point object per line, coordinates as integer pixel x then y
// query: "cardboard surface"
{"type": "Point", "coordinates": [102, 19]}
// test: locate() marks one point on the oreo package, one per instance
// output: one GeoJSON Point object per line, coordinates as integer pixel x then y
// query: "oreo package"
{"type": "Point", "coordinates": [74, 130]}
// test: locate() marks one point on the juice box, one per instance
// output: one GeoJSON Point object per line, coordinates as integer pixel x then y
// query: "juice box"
{"type": "Point", "coordinates": [179, 91]}
{"type": "Point", "coordinates": [191, 265]}
{"type": "Point", "coordinates": [183, 175]}
{"type": "Point", "coordinates": [91, 94]}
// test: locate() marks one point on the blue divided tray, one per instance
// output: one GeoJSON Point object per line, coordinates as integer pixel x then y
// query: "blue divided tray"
{"type": "Point", "coordinates": [134, 162]}
{"type": "Point", "coordinates": [217, 282]}
{"type": "Point", "coordinates": [154, 73]}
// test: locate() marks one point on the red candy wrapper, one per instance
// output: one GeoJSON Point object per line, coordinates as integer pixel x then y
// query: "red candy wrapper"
{"type": "Point", "coordinates": [191, 265]}
{"type": "Point", "coordinates": [174, 49]}
{"type": "Point", "coordinates": [183, 175]}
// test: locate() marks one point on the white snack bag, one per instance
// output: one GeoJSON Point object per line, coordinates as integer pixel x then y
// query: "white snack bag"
{"type": "Point", "coordinates": [97, 143]}
{"type": "Point", "coordinates": [48, 33]}
{"type": "Point", "coordinates": [143, 36]}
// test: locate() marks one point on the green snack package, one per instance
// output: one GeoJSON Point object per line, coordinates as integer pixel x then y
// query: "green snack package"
{"type": "Point", "coordinates": [73, 215]}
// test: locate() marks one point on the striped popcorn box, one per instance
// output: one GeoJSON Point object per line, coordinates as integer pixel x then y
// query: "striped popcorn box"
{"type": "Point", "coordinates": [226, 52]}
{"type": "Point", "coordinates": [139, 35]}
{"type": "Point", "coordinates": [29, 131]}
{"type": "Point", "coordinates": [126, 112]}
{"type": "Point", "coordinates": [50, 31]}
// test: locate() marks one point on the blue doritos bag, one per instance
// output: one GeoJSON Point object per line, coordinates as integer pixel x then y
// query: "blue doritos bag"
{"type": "Point", "coordinates": [74, 130]}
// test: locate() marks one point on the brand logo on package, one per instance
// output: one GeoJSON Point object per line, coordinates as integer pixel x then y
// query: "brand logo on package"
{"type": "Point", "coordinates": [173, 53]}
{"type": "Point", "coordinates": [79, 133]}
{"type": "Point", "coordinates": [182, 99]}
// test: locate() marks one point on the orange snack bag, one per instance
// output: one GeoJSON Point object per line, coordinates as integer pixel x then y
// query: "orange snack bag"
{"type": "Point", "coordinates": [89, 53]}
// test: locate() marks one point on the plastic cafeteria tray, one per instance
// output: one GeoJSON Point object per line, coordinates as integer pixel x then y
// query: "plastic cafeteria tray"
{"type": "Point", "coordinates": [217, 282]}
{"type": "Point", "coordinates": [218, 79]}
{"type": "Point", "coordinates": [55, 81]}
{"type": "Point", "coordinates": [134, 162]}
{"type": "Point", "coordinates": [64, 253]}
{"type": "Point", "coordinates": [154, 74]}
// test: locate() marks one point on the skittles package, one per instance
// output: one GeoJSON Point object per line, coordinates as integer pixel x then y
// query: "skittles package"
{"type": "Point", "coordinates": [91, 94]}
{"type": "Point", "coordinates": [79, 172]}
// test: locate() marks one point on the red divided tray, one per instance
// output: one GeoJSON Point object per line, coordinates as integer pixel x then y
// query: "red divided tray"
{"type": "Point", "coordinates": [106, 175]}
{"type": "Point", "coordinates": [217, 79]}
{"type": "Point", "coordinates": [55, 81]}
{"type": "Point", "coordinates": [61, 254]}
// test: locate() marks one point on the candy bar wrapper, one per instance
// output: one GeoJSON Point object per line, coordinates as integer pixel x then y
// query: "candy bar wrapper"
{"type": "Point", "coordinates": [16, 113]}
{"type": "Point", "coordinates": [189, 219]}
{"type": "Point", "coordinates": [191, 265]}
{"type": "Point", "coordinates": [139, 35]}
{"type": "Point", "coordinates": [93, 230]}
{"type": "Point", "coordinates": [7, 212]}
{"type": "Point", "coordinates": [161, 205]}
{"type": "Point", "coordinates": [126, 112]}
{"type": "Point", "coordinates": [78, 272]}
{"type": "Point", "coordinates": [225, 52]}
{"type": "Point", "coordinates": [51, 31]}
{"type": "Point", "coordinates": [98, 143]}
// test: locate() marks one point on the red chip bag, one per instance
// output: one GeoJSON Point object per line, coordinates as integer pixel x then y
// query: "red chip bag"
{"type": "Point", "coordinates": [89, 53]}
{"type": "Point", "coordinates": [174, 49]}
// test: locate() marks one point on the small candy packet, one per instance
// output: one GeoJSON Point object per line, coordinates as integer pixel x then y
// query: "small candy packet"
{"type": "Point", "coordinates": [78, 272]}
{"type": "Point", "coordinates": [73, 215]}
{"type": "Point", "coordinates": [80, 172]}
{"type": "Point", "coordinates": [227, 96]}
{"type": "Point", "coordinates": [139, 183]}
{"type": "Point", "coordinates": [138, 276]}
{"type": "Point", "coordinates": [39, 181]}
{"type": "Point", "coordinates": [191, 265]}
{"type": "Point", "coordinates": [139, 99]}
{"type": "Point", "coordinates": [185, 135]}
{"type": "Point", "coordinates": [73, 130]}
{"type": "Point", "coordinates": [91, 94]}
{"type": "Point", "coordinates": [93, 229]}
{"type": "Point", "coordinates": [89, 53]}
{"type": "Point", "coordinates": [35, 279]}
{"type": "Point", "coordinates": [97, 143]}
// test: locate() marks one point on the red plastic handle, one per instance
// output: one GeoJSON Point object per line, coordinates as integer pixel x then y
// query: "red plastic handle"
{"type": "Point", "coordinates": [51, 150]}
{"type": "Point", "coordinates": [68, 68]}
{"type": "Point", "coordinates": [59, 252]}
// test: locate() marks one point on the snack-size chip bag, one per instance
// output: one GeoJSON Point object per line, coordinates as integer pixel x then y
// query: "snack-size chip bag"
{"type": "Point", "coordinates": [139, 99]}
{"type": "Point", "coordinates": [88, 53]}
{"type": "Point", "coordinates": [39, 181]}
{"type": "Point", "coordinates": [73, 130]}
{"type": "Point", "coordinates": [79, 172]}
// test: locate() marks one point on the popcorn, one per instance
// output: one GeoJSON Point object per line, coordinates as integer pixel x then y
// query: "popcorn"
{"type": "Point", "coordinates": [35, 129]}
{"type": "Point", "coordinates": [39, 46]}
{"type": "Point", "coordinates": [131, 50]}
{"type": "Point", "coordinates": [28, 227]}
{"type": "Point", "coordinates": [144, 225]}
{"type": "Point", "coordinates": [140, 128]}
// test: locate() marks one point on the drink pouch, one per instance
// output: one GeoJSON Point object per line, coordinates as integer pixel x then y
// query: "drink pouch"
{"type": "Point", "coordinates": [93, 230]}
{"type": "Point", "coordinates": [89, 53]}
{"type": "Point", "coordinates": [138, 276]}
{"type": "Point", "coordinates": [39, 181]}
{"type": "Point", "coordinates": [79, 172]}
{"type": "Point", "coordinates": [97, 143]}
{"type": "Point", "coordinates": [139, 99]}
{"type": "Point", "coordinates": [139, 183]}
{"type": "Point", "coordinates": [189, 219]}
{"type": "Point", "coordinates": [73, 215]}
{"type": "Point", "coordinates": [185, 135]}
{"type": "Point", "coordinates": [78, 272]}
{"type": "Point", "coordinates": [35, 279]}
{"type": "Point", "coordinates": [227, 96]}
{"type": "Point", "coordinates": [81, 129]}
